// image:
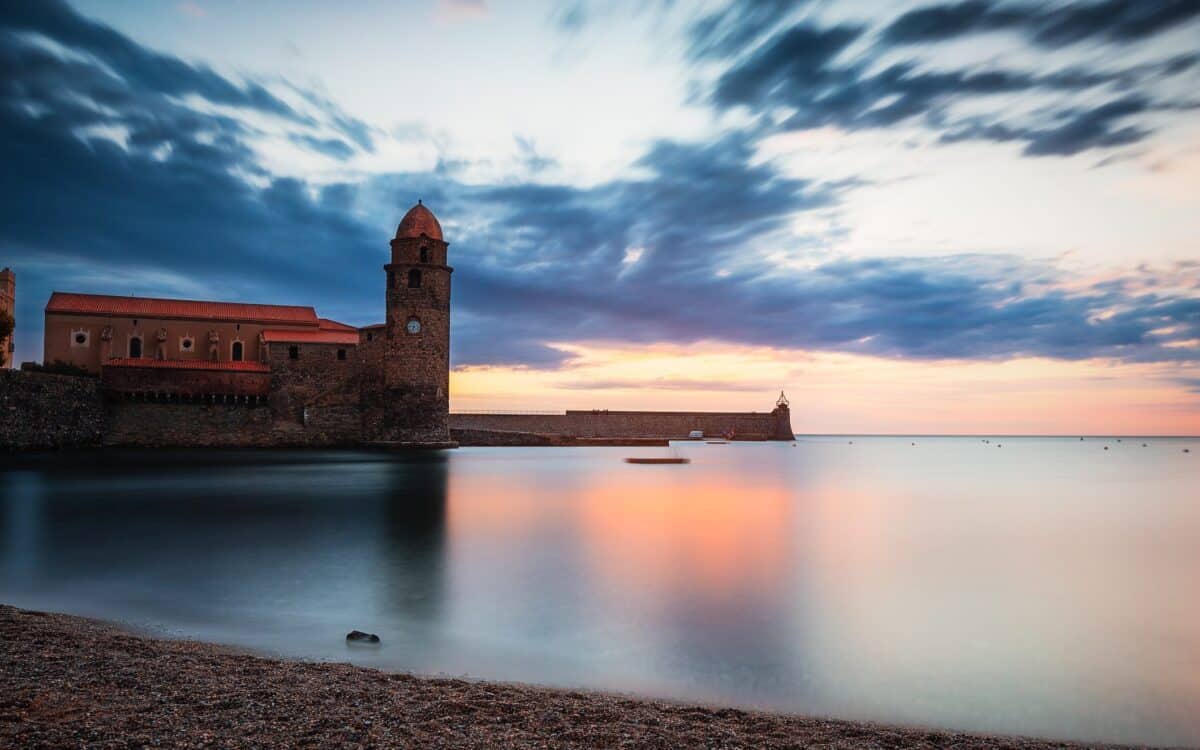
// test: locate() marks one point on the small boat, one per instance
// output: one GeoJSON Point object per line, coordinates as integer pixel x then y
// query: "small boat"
{"type": "Point", "coordinates": [659, 460]}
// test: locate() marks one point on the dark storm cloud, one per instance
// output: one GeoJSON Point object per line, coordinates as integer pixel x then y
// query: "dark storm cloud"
{"type": "Point", "coordinates": [140, 67]}
{"type": "Point", "coordinates": [1081, 130]}
{"type": "Point", "coordinates": [731, 29]}
{"type": "Point", "coordinates": [1044, 24]}
{"type": "Point", "coordinates": [848, 76]}
{"type": "Point", "coordinates": [111, 185]}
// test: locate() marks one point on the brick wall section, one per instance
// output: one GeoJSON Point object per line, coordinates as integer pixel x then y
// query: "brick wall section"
{"type": "Point", "coordinates": [467, 436]}
{"type": "Point", "coordinates": [171, 381]}
{"type": "Point", "coordinates": [372, 343]}
{"type": "Point", "coordinates": [161, 425]}
{"type": "Point", "coordinates": [314, 402]}
{"type": "Point", "coordinates": [39, 411]}
{"type": "Point", "coordinates": [775, 425]}
{"type": "Point", "coordinates": [315, 398]}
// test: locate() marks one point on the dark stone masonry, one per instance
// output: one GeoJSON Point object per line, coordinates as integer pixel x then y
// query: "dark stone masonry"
{"type": "Point", "coordinates": [40, 411]}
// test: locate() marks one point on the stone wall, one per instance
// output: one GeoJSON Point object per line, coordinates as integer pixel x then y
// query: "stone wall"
{"type": "Point", "coordinates": [775, 425]}
{"type": "Point", "coordinates": [39, 411]}
{"type": "Point", "coordinates": [166, 381]}
{"type": "Point", "coordinates": [315, 398]}
{"type": "Point", "coordinates": [501, 438]}
{"type": "Point", "coordinates": [171, 425]}
{"type": "Point", "coordinates": [468, 436]}
{"type": "Point", "coordinates": [313, 402]}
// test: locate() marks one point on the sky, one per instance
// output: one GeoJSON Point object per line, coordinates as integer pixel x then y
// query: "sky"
{"type": "Point", "coordinates": [959, 216]}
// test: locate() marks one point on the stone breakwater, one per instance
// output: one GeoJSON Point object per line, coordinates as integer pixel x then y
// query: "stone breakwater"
{"type": "Point", "coordinates": [773, 425]}
{"type": "Point", "coordinates": [70, 682]}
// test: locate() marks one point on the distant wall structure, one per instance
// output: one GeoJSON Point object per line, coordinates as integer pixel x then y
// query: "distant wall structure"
{"type": "Point", "coordinates": [41, 411]}
{"type": "Point", "coordinates": [773, 425]}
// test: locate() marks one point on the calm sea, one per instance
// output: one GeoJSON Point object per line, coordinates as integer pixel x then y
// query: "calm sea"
{"type": "Point", "coordinates": [1024, 585]}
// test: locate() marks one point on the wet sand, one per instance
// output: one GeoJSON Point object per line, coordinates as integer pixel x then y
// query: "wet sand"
{"type": "Point", "coordinates": [71, 682]}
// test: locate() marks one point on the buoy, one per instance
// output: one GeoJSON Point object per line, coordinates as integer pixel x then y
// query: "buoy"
{"type": "Point", "coordinates": [1106, 447]}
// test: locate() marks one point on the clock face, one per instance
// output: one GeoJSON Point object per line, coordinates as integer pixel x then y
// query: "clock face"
{"type": "Point", "coordinates": [414, 325]}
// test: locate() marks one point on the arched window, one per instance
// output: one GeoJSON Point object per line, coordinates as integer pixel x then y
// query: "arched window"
{"type": "Point", "coordinates": [236, 354]}
{"type": "Point", "coordinates": [414, 279]}
{"type": "Point", "coordinates": [135, 347]}
{"type": "Point", "coordinates": [424, 255]}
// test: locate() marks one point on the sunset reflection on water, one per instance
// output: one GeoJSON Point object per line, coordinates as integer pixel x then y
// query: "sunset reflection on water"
{"type": "Point", "coordinates": [1044, 588]}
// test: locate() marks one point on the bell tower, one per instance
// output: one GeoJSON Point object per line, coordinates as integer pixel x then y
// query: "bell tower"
{"type": "Point", "coordinates": [416, 360]}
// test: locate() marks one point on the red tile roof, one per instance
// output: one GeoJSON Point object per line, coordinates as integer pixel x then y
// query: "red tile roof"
{"type": "Point", "coordinates": [311, 337]}
{"type": "Point", "coordinates": [188, 364]}
{"type": "Point", "coordinates": [149, 307]}
{"type": "Point", "coordinates": [332, 325]}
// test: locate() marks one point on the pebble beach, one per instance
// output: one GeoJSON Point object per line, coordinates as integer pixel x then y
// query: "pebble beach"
{"type": "Point", "coordinates": [70, 682]}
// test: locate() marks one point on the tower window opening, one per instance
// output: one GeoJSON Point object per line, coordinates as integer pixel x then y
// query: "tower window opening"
{"type": "Point", "coordinates": [414, 279]}
{"type": "Point", "coordinates": [293, 352]}
{"type": "Point", "coordinates": [237, 351]}
{"type": "Point", "coordinates": [341, 355]}
{"type": "Point", "coordinates": [424, 255]}
{"type": "Point", "coordinates": [135, 348]}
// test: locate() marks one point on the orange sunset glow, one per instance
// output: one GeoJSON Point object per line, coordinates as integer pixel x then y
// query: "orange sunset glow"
{"type": "Point", "coordinates": [848, 393]}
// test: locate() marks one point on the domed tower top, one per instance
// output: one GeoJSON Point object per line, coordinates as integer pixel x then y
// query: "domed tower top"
{"type": "Point", "coordinates": [417, 222]}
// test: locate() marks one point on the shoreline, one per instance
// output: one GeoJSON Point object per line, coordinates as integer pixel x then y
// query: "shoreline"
{"type": "Point", "coordinates": [68, 681]}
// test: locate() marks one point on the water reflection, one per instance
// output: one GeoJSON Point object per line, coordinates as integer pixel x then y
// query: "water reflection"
{"type": "Point", "coordinates": [1040, 589]}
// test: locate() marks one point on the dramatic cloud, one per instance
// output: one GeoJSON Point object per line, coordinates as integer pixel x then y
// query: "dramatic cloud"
{"type": "Point", "coordinates": [731, 29]}
{"type": "Point", "coordinates": [1043, 23]}
{"type": "Point", "coordinates": [847, 75]}
{"type": "Point", "coordinates": [115, 181]}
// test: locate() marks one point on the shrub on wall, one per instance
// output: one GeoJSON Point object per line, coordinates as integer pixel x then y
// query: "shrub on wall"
{"type": "Point", "coordinates": [57, 367]}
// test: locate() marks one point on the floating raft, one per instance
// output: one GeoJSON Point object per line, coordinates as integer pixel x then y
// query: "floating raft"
{"type": "Point", "coordinates": [662, 460]}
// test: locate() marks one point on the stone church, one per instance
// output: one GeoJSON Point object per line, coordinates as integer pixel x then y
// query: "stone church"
{"type": "Point", "coordinates": [186, 372]}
